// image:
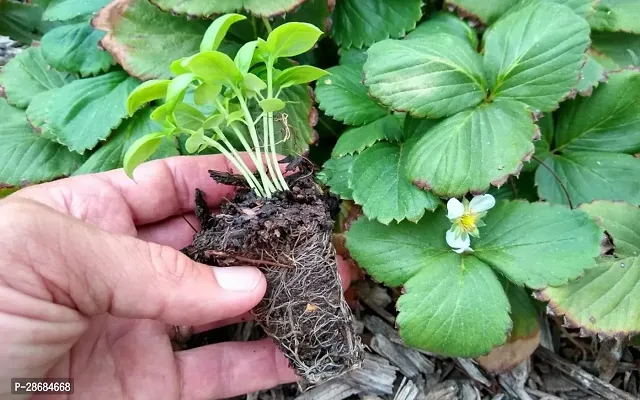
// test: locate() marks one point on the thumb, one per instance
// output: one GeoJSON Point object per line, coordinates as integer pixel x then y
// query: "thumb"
{"type": "Point", "coordinates": [95, 272]}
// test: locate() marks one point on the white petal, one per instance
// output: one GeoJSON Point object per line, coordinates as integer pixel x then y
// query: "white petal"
{"type": "Point", "coordinates": [459, 251]}
{"type": "Point", "coordinates": [482, 203]}
{"type": "Point", "coordinates": [455, 209]}
{"type": "Point", "coordinates": [461, 242]}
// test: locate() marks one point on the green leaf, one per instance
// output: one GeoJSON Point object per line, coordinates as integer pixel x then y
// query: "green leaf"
{"type": "Point", "coordinates": [177, 89]}
{"type": "Point", "coordinates": [206, 93]}
{"type": "Point", "coordinates": [298, 75]}
{"type": "Point", "coordinates": [244, 57]}
{"type": "Point", "coordinates": [218, 30]}
{"type": "Point", "coordinates": [145, 40]}
{"type": "Point", "coordinates": [616, 15]}
{"type": "Point", "coordinates": [111, 154]}
{"type": "Point", "coordinates": [188, 117]}
{"type": "Point", "coordinates": [336, 173]}
{"type": "Point", "coordinates": [608, 121]}
{"type": "Point", "coordinates": [454, 305]}
{"type": "Point", "coordinates": [605, 301]}
{"type": "Point", "coordinates": [489, 12]}
{"type": "Point", "coordinates": [140, 151]}
{"type": "Point", "coordinates": [591, 75]}
{"type": "Point", "coordinates": [28, 75]}
{"type": "Point", "coordinates": [342, 96]}
{"type": "Point", "coordinates": [362, 23]}
{"type": "Point", "coordinates": [85, 111]}
{"type": "Point", "coordinates": [292, 39]}
{"type": "Point", "coordinates": [271, 105]}
{"type": "Point", "coordinates": [534, 55]}
{"type": "Point", "coordinates": [316, 12]}
{"type": "Point", "coordinates": [444, 23]}
{"type": "Point", "coordinates": [538, 244]}
{"type": "Point", "coordinates": [523, 314]}
{"type": "Point", "coordinates": [621, 221]}
{"type": "Point", "coordinates": [486, 12]}
{"type": "Point", "coordinates": [354, 140]}
{"type": "Point", "coordinates": [74, 48]}
{"type": "Point", "coordinates": [621, 48]}
{"type": "Point", "coordinates": [214, 67]}
{"type": "Point", "coordinates": [473, 149]}
{"type": "Point", "coordinates": [20, 21]}
{"type": "Point", "coordinates": [431, 79]}
{"type": "Point", "coordinates": [353, 56]}
{"type": "Point", "coordinates": [379, 184]}
{"type": "Point", "coordinates": [64, 10]}
{"type": "Point", "coordinates": [147, 92]}
{"type": "Point", "coordinates": [589, 176]}
{"type": "Point", "coordinates": [207, 8]}
{"type": "Point", "coordinates": [253, 83]}
{"type": "Point", "coordinates": [26, 158]}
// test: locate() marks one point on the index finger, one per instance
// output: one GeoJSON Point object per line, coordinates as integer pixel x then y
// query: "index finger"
{"type": "Point", "coordinates": [162, 188]}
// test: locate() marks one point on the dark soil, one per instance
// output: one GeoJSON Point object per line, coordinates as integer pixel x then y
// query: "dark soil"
{"type": "Point", "coordinates": [289, 238]}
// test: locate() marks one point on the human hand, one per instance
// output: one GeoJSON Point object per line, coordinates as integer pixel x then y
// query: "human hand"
{"type": "Point", "coordinates": [91, 285]}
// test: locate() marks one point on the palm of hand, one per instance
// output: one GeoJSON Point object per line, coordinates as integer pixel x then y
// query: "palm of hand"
{"type": "Point", "coordinates": [111, 356]}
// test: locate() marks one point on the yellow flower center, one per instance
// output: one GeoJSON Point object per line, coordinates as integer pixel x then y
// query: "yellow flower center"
{"type": "Point", "coordinates": [468, 222]}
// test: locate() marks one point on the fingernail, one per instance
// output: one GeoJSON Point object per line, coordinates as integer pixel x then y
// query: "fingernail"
{"type": "Point", "coordinates": [238, 279]}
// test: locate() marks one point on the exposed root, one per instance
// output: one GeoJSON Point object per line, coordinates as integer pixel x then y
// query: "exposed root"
{"type": "Point", "coordinates": [289, 238]}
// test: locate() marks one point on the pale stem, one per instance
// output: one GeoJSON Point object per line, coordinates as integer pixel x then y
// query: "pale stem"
{"type": "Point", "coordinates": [254, 137]}
{"type": "Point", "coordinates": [272, 135]}
{"type": "Point", "coordinates": [238, 157]}
{"type": "Point", "coordinates": [238, 164]}
{"type": "Point", "coordinates": [265, 179]}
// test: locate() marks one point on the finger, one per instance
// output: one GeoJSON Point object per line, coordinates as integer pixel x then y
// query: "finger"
{"type": "Point", "coordinates": [230, 369]}
{"type": "Point", "coordinates": [162, 188]}
{"type": "Point", "coordinates": [81, 266]}
{"type": "Point", "coordinates": [176, 232]}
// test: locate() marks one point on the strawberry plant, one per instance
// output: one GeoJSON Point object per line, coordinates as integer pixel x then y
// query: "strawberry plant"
{"type": "Point", "coordinates": [492, 147]}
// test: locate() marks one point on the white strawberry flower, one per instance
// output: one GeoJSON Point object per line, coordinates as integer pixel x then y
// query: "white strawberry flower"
{"type": "Point", "coordinates": [466, 218]}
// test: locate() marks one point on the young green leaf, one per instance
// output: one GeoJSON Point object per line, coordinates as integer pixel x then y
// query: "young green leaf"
{"type": "Point", "coordinates": [253, 83]}
{"type": "Point", "coordinates": [144, 40]}
{"type": "Point", "coordinates": [362, 23]}
{"type": "Point", "coordinates": [298, 75]}
{"type": "Point", "coordinates": [244, 56]}
{"type": "Point", "coordinates": [271, 105]}
{"type": "Point", "coordinates": [473, 149]}
{"type": "Point", "coordinates": [379, 183]}
{"type": "Point", "coordinates": [336, 173]}
{"type": "Point", "coordinates": [177, 88]}
{"type": "Point", "coordinates": [343, 96]}
{"type": "Point", "coordinates": [85, 111]}
{"type": "Point", "coordinates": [206, 93]}
{"type": "Point", "coordinates": [111, 154]}
{"type": "Point", "coordinates": [430, 79]}
{"type": "Point", "coordinates": [140, 151]}
{"type": "Point", "coordinates": [195, 142]}
{"type": "Point", "coordinates": [214, 67]}
{"type": "Point", "coordinates": [74, 48]}
{"type": "Point", "coordinates": [537, 62]}
{"type": "Point", "coordinates": [218, 30]}
{"type": "Point", "coordinates": [28, 75]}
{"type": "Point", "coordinates": [26, 158]}
{"type": "Point", "coordinates": [148, 91]}
{"type": "Point", "coordinates": [213, 121]}
{"type": "Point", "coordinates": [354, 140]}
{"type": "Point", "coordinates": [292, 39]}
{"type": "Point", "coordinates": [187, 117]}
